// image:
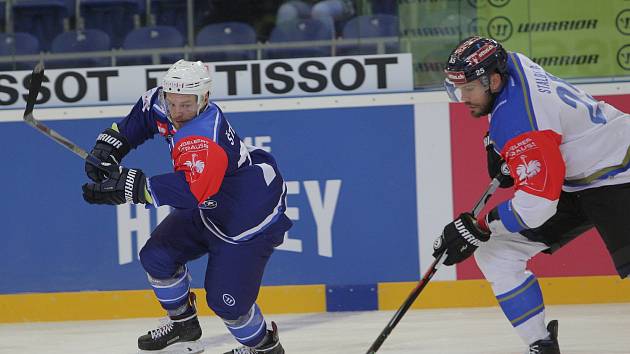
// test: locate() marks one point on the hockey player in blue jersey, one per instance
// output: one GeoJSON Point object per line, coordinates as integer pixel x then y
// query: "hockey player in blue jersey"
{"type": "Point", "coordinates": [566, 155]}
{"type": "Point", "coordinates": [229, 201]}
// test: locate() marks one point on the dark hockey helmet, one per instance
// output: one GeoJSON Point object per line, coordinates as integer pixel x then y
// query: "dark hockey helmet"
{"type": "Point", "coordinates": [473, 58]}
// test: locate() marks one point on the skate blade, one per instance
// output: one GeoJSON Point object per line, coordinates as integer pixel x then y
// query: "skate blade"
{"type": "Point", "coordinates": [178, 348]}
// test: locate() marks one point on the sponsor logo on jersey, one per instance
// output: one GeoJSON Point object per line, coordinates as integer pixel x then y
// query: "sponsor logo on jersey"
{"type": "Point", "coordinates": [208, 204]}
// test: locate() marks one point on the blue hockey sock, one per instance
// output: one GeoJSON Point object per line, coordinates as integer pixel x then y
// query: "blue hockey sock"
{"type": "Point", "coordinates": [523, 302]}
{"type": "Point", "coordinates": [173, 293]}
{"type": "Point", "coordinates": [249, 329]}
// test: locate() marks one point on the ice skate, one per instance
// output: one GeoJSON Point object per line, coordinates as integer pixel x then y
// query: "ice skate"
{"type": "Point", "coordinates": [270, 346]}
{"type": "Point", "coordinates": [547, 346]}
{"type": "Point", "coordinates": [184, 328]}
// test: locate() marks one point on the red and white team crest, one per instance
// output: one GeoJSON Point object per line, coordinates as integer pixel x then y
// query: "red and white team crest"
{"type": "Point", "coordinates": [530, 170]}
{"type": "Point", "coordinates": [195, 165]}
{"type": "Point", "coordinates": [527, 170]}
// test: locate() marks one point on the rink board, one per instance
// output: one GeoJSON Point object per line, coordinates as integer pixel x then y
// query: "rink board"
{"type": "Point", "coordinates": [372, 180]}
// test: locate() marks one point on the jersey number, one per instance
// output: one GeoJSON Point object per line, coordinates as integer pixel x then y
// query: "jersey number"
{"type": "Point", "coordinates": [570, 98]}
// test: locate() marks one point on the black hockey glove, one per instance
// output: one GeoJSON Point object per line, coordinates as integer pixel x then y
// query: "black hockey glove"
{"type": "Point", "coordinates": [111, 147]}
{"type": "Point", "coordinates": [123, 185]}
{"type": "Point", "coordinates": [496, 164]}
{"type": "Point", "coordinates": [459, 239]}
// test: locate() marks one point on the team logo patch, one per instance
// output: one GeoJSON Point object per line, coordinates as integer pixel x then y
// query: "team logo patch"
{"type": "Point", "coordinates": [229, 300]}
{"type": "Point", "coordinates": [530, 171]}
{"type": "Point", "coordinates": [527, 169]}
{"type": "Point", "coordinates": [195, 165]}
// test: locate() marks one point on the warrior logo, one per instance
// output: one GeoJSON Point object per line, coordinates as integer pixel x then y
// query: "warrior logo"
{"type": "Point", "coordinates": [623, 22]}
{"type": "Point", "coordinates": [500, 28]}
{"type": "Point", "coordinates": [229, 299]}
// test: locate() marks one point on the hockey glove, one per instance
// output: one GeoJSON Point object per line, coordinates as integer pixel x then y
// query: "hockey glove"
{"type": "Point", "coordinates": [459, 239]}
{"type": "Point", "coordinates": [496, 164]}
{"type": "Point", "coordinates": [123, 185]}
{"type": "Point", "coordinates": [111, 147]}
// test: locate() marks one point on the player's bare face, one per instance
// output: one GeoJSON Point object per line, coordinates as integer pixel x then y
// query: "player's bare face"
{"type": "Point", "coordinates": [475, 96]}
{"type": "Point", "coordinates": [182, 108]}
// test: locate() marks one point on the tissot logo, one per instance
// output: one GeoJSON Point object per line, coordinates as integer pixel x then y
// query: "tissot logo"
{"type": "Point", "coordinates": [623, 22]}
{"type": "Point", "coordinates": [623, 57]}
{"type": "Point", "coordinates": [500, 28]}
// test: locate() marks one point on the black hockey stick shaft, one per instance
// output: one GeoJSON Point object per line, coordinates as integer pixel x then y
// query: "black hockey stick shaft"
{"type": "Point", "coordinates": [37, 77]}
{"type": "Point", "coordinates": [494, 184]}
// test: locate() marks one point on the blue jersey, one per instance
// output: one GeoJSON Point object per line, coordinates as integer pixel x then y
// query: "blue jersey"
{"type": "Point", "coordinates": [238, 189]}
{"type": "Point", "coordinates": [554, 137]}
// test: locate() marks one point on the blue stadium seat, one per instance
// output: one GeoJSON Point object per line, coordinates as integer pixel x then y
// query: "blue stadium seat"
{"type": "Point", "coordinates": [115, 17]}
{"type": "Point", "coordinates": [174, 13]}
{"type": "Point", "coordinates": [300, 30]}
{"type": "Point", "coordinates": [293, 10]}
{"type": "Point", "coordinates": [152, 37]}
{"type": "Point", "coordinates": [18, 43]}
{"type": "Point", "coordinates": [337, 12]}
{"type": "Point", "coordinates": [224, 34]}
{"type": "Point", "coordinates": [90, 40]}
{"type": "Point", "coordinates": [369, 27]}
{"type": "Point", "coordinates": [42, 18]}
{"type": "Point", "coordinates": [170, 13]}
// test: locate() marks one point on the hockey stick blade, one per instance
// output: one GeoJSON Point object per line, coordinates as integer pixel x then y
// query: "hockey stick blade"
{"type": "Point", "coordinates": [37, 77]}
{"type": "Point", "coordinates": [494, 184]}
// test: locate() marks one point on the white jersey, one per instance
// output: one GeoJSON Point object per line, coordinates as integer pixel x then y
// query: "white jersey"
{"type": "Point", "coordinates": [553, 137]}
{"type": "Point", "coordinates": [595, 136]}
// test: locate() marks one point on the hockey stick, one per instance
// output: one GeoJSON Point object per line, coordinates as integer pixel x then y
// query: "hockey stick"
{"type": "Point", "coordinates": [36, 83]}
{"type": "Point", "coordinates": [427, 276]}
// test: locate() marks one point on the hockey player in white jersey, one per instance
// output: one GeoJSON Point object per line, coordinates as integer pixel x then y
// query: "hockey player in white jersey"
{"type": "Point", "coordinates": [566, 155]}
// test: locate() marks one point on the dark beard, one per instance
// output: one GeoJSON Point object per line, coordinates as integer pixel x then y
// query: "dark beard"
{"type": "Point", "coordinates": [485, 110]}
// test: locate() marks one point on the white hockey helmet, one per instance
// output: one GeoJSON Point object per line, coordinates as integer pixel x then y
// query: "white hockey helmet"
{"type": "Point", "coordinates": [187, 77]}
